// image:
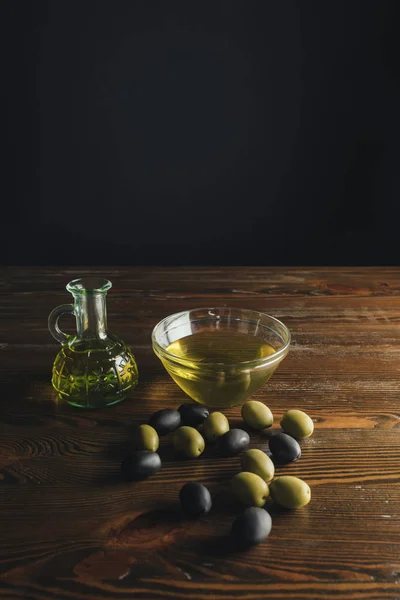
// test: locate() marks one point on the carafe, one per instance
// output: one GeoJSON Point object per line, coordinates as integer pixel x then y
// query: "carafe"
{"type": "Point", "coordinates": [93, 369]}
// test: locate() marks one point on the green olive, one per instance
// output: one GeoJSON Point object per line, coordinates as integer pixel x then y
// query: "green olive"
{"type": "Point", "coordinates": [266, 350]}
{"type": "Point", "coordinates": [214, 426]}
{"type": "Point", "coordinates": [146, 438]}
{"type": "Point", "coordinates": [297, 424]}
{"type": "Point", "coordinates": [257, 415]}
{"type": "Point", "coordinates": [256, 461]}
{"type": "Point", "coordinates": [187, 440]}
{"type": "Point", "coordinates": [250, 489]}
{"type": "Point", "coordinates": [290, 492]}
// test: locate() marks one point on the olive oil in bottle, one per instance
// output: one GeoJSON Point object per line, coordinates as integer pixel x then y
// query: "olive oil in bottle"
{"type": "Point", "coordinates": [93, 369]}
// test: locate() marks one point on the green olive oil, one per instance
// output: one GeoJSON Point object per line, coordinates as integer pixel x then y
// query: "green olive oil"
{"type": "Point", "coordinates": [93, 369]}
{"type": "Point", "coordinates": [209, 366]}
{"type": "Point", "coordinates": [94, 375]}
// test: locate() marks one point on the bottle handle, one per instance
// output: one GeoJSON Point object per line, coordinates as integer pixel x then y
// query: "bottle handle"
{"type": "Point", "coordinates": [56, 313]}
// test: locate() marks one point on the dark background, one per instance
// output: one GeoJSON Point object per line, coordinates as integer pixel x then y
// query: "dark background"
{"type": "Point", "coordinates": [200, 132]}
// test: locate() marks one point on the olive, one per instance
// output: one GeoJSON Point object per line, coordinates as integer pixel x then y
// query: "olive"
{"type": "Point", "coordinates": [257, 415]}
{"type": "Point", "coordinates": [256, 461]}
{"type": "Point", "coordinates": [250, 489]}
{"type": "Point", "coordinates": [214, 426]}
{"type": "Point", "coordinates": [188, 441]}
{"type": "Point", "coordinates": [290, 492]}
{"type": "Point", "coordinates": [265, 350]}
{"type": "Point", "coordinates": [195, 499]}
{"type": "Point", "coordinates": [146, 438]}
{"type": "Point", "coordinates": [165, 420]}
{"type": "Point", "coordinates": [233, 442]}
{"type": "Point", "coordinates": [284, 448]}
{"type": "Point", "coordinates": [252, 526]}
{"type": "Point", "coordinates": [193, 414]}
{"type": "Point", "coordinates": [297, 423]}
{"type": "Point", "coordinates": [140, 464]}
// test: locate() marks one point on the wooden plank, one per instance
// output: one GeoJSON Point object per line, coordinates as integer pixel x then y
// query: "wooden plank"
{"type": "Point", "coordinates": [72, 529]}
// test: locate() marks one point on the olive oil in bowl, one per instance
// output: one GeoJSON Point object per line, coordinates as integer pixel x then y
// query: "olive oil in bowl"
{"type": "Point", "coordinates": [223, 360]}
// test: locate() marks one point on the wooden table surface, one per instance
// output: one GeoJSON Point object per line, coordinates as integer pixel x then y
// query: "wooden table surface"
{"type": "Point", "coordinates": [71, 529]}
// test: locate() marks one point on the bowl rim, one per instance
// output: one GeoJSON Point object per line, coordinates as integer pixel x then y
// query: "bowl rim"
{"type": "Point", "coordinates": [248, 364]}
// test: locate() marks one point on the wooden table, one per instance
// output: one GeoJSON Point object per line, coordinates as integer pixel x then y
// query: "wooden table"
{"type": "Point", "coordinates": [71, 529]}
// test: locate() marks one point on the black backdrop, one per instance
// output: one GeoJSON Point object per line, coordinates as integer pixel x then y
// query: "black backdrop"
{"type": "Point", "coordinates": [200, 132]}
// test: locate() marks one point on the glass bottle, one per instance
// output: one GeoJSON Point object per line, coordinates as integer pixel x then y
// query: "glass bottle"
{"type": "Point", "coordinates": [93, 368]}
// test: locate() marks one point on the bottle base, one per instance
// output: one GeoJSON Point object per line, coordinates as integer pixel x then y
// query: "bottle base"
{"type": "Point", "coordinates": [94, 378]}
{"type": "Point", "coordinates": [94, 406]}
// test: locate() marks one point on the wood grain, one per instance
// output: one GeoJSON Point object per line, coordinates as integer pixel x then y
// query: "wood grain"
{"type": "Point", "coordinates": [70, 528]}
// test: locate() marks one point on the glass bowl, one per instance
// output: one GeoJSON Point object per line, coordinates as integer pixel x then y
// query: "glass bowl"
{"type": "Point", "coordinates": [220, 356]}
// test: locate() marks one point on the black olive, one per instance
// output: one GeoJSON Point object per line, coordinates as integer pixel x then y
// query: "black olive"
{"type": "Point", "coordinates": [252, 526]}
{"type": "Point", "coordinates": [284, 448]}
{"type": "Point", "coordinates": [232, 442]}
{"type": "Point", "coordinates": [193, 414]}
{"type": "Point", "coordinates": [195, 499]}
{"type": "Point", "coordinates": [140, 465]}
{"type": "Point", "coordinates": [165, 420]}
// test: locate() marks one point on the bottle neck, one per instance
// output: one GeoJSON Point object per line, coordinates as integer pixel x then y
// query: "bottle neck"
{"type": "Point", "coordinates": [91, 315]}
